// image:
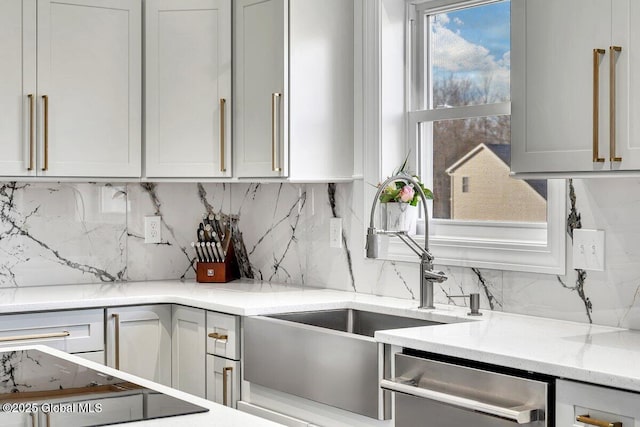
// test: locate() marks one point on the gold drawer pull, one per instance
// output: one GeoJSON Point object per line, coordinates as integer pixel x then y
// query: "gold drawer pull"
{"type": "Point", "coordinates": [116, 338]}
{"type": "Point", "coordinates": [36, 336]}
{"type": "Point", "coordinates": [596, 103]}
{"type": "Point", "coordinates": [217, 336]}
{"type": "Point", "coordinates": [599, 423]}
{"type": "Point", "coordinates": [225, 385]}
{"type": "Point", "coordinates": [275, 132]}
{"type": "Point", "coordinates": [612, 103]}
{"type": "Point", "coordinates": [31, 136]}
{"type": "Point", "coordinates": [45, 100]}
{"type": "Point", "coordinates": [223, 104]}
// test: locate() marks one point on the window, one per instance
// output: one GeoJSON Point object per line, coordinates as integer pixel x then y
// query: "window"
{"type": "Point", "coordinates": [459, 126]}
{"type": "Point", "coordinates": [465, 184]}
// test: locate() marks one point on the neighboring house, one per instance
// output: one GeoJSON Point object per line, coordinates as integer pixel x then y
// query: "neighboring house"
{"type": "Point", "coordinates": [481, 188]}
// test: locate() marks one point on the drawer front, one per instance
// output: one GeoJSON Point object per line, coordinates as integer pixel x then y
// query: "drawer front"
{"type": "Point", "coordinates": [223, 380]}
{"type": "Point", "coordinates": [411, 410]}
{"type": "Point", "coordinates": [71, 331]}
{"type": "Point", "coordinates": [223, 335]}
{"type": "Point", "coordinates": [579, 404]}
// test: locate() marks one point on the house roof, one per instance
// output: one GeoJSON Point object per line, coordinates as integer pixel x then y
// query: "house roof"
{"type": "Point", "coordinates": [503, 152]}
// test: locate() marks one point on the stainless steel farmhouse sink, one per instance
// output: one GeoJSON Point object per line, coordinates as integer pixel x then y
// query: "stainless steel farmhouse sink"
{"type": "Point", "coordinates": [327, 356]}
{"type": "Point", "coordinates": [357, 322]}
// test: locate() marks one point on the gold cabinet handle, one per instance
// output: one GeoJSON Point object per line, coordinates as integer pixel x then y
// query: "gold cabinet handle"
{"type": "Point", "coordinates": [45, 100]}
{"type": "Point", "coordinates": [223, 104]}
{"type": "Point", "coordinates": [31, 133]}
{"type": "Point", "coordinates": [217, 336]}
{"type": "Point", "coordinates": [35, 336]}
{"type": "Point", "coordinates": [116, 318]}
{"type": "Point", "coordinates": [225, 385]}
{"type": "Point", "coordinates": [594, 422]}
{"type": "Point", "coordinates": [275, 154]}
{"type": "Point", "coordinates": [612, 103]}
{"type": "Point", "coordinates": [596, 103]}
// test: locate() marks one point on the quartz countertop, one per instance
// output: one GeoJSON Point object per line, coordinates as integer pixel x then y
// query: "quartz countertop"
{"type": "Point", "coordinates": [217, 415]}
{"type": "Point", "coordinates": [579, 351]}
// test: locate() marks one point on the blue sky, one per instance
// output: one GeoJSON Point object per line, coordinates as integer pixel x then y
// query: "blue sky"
{"type": "Point", "coordinates": [487, 25]}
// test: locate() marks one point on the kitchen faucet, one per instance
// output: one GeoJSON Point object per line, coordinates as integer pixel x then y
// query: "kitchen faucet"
{"type": "Point", "coordinates": [427, 275]}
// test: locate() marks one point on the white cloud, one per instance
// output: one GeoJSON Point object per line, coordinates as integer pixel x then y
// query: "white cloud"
{"type": "Point", "coordinates": [454, 54]}
{"type": "Point", "coordinates": [458, 21]}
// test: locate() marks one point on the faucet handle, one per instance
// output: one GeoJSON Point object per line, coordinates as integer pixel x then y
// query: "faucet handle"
{"type": "Point", "coordinates": [435, 276]}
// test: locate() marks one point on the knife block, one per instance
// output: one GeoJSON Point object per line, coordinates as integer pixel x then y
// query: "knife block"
{"type": "Point", "coordinates": [219, 272]}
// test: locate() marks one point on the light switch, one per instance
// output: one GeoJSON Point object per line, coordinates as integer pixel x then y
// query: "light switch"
{"type": "Point", "coordinates": [588, 249]}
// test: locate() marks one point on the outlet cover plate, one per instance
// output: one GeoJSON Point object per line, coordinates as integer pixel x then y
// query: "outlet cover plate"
{"type": "Point", "coordinates": [152, 229]}
{"type": "Point", "coordinates": [588, 249]}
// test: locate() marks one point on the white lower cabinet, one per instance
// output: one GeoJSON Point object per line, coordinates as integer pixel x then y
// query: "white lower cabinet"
{"type": "Point", "coordinates": [74, 331]}
{"type": "Point", "coordinates": [139, 341]}
{"type": "Point", "coordinates": [223, 380]}
{"type": "Point", "coordinates": [582, 405]}
{"type": "Point", "coordinates": [223, 354]}
{"type": "Point", "coordinates": [18, 419]}
{"type": "Point", "coordinates": [188, 350]}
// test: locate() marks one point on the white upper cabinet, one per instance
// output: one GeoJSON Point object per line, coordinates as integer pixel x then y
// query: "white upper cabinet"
{"type": "Point", "coordinates": [573, 89]}
{"type": "Point", "coordinates": [293, 89]}
{"type": "Point", "coordinates": [89, 86]}
{"type": "Point", "coordinates": [84, 118]}
{"type": "Point", "coordinates": [17, 87]}
{"type": "Point", "coordinates": [188, 88]}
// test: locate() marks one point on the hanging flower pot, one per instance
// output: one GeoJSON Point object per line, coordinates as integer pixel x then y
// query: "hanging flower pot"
{"type": "Point", "coordinates": [399, 216]}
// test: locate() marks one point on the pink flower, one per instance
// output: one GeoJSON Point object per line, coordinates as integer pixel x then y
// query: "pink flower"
{"type": "Point", "coordinates": [407, 193]}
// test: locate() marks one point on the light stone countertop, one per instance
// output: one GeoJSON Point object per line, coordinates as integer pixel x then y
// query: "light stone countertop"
{"type": "Point", "coordinates": [595, 354]}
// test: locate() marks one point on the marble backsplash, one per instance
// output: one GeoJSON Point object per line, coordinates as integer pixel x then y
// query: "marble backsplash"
{"type": "Point", "coordinates": [93, 232]}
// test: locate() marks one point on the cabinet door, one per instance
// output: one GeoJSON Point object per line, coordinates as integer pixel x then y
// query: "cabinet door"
{"type": "Point", "coordinates": [188, 88]}
{"type": "Point", "coordinates": [89, 70]}
{"type": "Point", "coordinates": [17, 86]}
{"type": "Point", "coordinates": [552, 84]}
{"type": "Point", "coordinates": [139, 341]}
{"type": "Point", "coordinates": [626, 35]}
{"type": "Point", "coordinates": [260, 88]}
{"type": "Point", "coordinates": [188, 350]}
{"type": "Point", "coordinates": [598, 403]}
{"type": "Point", "coordinates": [223, 380]}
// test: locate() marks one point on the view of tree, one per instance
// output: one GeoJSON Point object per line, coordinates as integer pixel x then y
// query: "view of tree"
{"type": "Point", "coordinates": [452, 139]}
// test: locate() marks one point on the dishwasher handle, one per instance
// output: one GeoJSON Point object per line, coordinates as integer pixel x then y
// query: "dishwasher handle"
{"type": "Point", "coordinates": [520, 414]}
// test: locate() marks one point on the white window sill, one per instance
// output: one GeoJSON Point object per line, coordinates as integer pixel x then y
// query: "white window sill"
{"type": "Point", "coordinates": [537, 248]}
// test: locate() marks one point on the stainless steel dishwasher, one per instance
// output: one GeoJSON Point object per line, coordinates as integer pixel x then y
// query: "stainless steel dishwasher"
{"type": "Point", "coordinates": [430, 393]}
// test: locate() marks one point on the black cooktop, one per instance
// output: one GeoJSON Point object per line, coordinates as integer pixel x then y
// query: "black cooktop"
{"type": "Point", "coordinates": [35, 382]}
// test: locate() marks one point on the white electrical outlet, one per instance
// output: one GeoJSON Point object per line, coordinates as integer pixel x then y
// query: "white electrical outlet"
{"type": "Point", "coordinates": [335, 232]}
{"type": "Point", "coordinates": [588, 249]}
{"type": "Point", "coordinates": [152, 229]}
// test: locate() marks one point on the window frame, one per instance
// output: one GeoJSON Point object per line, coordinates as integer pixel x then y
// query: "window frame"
{"type": "Point", "coordinates": [509, 246]}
